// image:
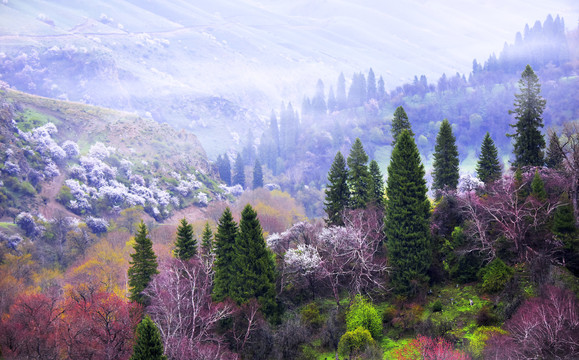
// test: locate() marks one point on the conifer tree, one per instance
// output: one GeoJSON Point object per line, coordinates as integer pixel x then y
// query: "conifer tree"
{"type": "Point", "coordinates": [224, 169]}
{"type": "Point", "coordinates": [225, 254]}
{"type": "Point", "coordinates": [445, 173]}
{"type": "Point", "coordinates": [554, 157]}
{"type": "Point", "coordinates": [377, 186]}
{"type": "Point", "coordinates": [371, 92]}
{"type": "Point", "coordinates": [239, 174]}
{"type": "Point", "coordinates": [407, 212]}
{"type": "Point", "coordinates": [400, 122]}
{"type": "Point", "coordinates": [207, 240]}
{"type": "Point", "coordinates": [488, 168]}
{"type": "Point", "coordinates": [359, 179]}
{"type": "Point", "coordinates": [185, 244]}
{"type": "Point", "coordinates": [148, 345]}
{"type": "Point", "coordinates": [538, 187]}
{"type": "Point", "coordinates": [337, 191]}
{"type": "Point", "coordinates": [529, 142]}
{"type": "Point", "coordinates": [381, 92]}
{"type": "Point", "coordinates": [318, 101]}
{"type": "Point", "coordinates": [341, 99]}
{"type": "Point", "coordinates": [143, 265]}
{"type": "Point", "coordinates": [257, 175]}
{"type": "Point", "coordinates": [564, 219]}
{"type": "Point", "coordinates": [332, 103]}
{"type": "Point", "coordinates": [254, 263]}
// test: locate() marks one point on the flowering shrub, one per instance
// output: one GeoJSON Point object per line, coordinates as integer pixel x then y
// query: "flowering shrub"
{"type": "Point", "coordinates": [71, 149]}
{"type": "Point", "coordinates": [424, 347]}
{"type": "Point", "coordinates": [97, 225]}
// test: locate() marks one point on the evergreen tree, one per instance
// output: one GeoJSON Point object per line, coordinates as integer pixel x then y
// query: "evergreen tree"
{"type": "Point", "coordinates": [554, 157]}
{"type": "Point", "coordinates": [564, 220]}
{"type": "Point", "coordinates": [148, 344]}
{"type": "Point", "coordinates": [377, 185]}
{"type": "Point", "coordinates": [381, 92]}
{"type": "Point", "coordinates": [341, 99]}
{"type": "Point", "coordinates": [538, 187]}
{"type": "Point", "coordinates": [318, 101]}
{"type": "Point", "coordinates": [488, 168]}
{"type": "Point", "coordinates": [225, 254]}
{"type": "Point", "coordinates": [529, 143]}
{"type": "Point", "coordinates": [224, 168]}
{"type": "Point", "coordinates": [332, 102]}
{"type": "Point", "coordinates": [337, 191]}
{"type": "Point", "coordinates": [371, 92]}
{"type": "Point", "coordinates": [359, 179]}
{"type": "Point", "coordinates": [239, 173]}
{"type": "Point", "coordinates": [186, 244]}
{"type": "Point", "coordinates": [254, 263]}
{"type": "Point", "coordinates": [407, 212]}
{"type": "Point", "coordinates": [207, 240]}
{"type": "Point", "coordinates": [445, 172]}
{"type": "Point", "coordinates": [143, 265]}
{"type": "Point", "coordinates": [399, 123]}
{"type": "Point", "coordinates": [257, 175]}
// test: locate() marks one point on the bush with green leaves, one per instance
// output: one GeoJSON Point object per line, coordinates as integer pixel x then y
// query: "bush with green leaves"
{"type": "Point", "coordinates": [355, 341]}
{"type": "Point", "coordinates": [495, 276]}
{"type": "Point", "coordinates": [310, 315]}
{"type": "Point", "coordinates": [362, 314]}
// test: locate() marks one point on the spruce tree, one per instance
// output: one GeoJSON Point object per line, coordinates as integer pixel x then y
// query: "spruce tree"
{"type": "Point", "coordinates": [239, 173]}
{"type": "Point", "coordinates": [254, 263]}
{"type": "Point", "coordinates": [207, 240]}
{"type": "Point", "coordinates": [332, 102]}
{"type": "Point", "coordinates": [400, 122]}
{"type": "Point", "coordinates": [445, 172]}
{"type": "Point", "coordinates": [318, 101]}
{"type": "Point", "coordinates": [341, 98]}
{"type": "Point", "coordinates": [257, 175]}
{"type": "Point", "coordinates": [529, 143]}
{"type": "Point", "coordinates": [359, 179]}
{"type": "Point", "coordinates": [226, 173]}
{"type": "Point", "coordinates": [377, 186]}
{"type": "Point", "coordinates": [564, 220]}
{"type": "Point", "coordinates": [488, 168]}
{"type": "Point", "coordinates": [148, 344]}
{"type": "Point", "coordinates": [554, 157]}
{"type": "Point", "coordinates": [225, 254]}
{"type": "Point", "coordinates": [381, 92]}
{"type": "Point", "coordinates": [143, 265]}
{"type": "Point", "coordinates": [407, 212]}
{"type": "Point", "coordinates": [337, 191]}
{"type": "Point", "coordinates": [371, 92]}
{"type": "Point", "coordinates": [185, 244]}
{"type": "Point", "coordinates": [538, 187]}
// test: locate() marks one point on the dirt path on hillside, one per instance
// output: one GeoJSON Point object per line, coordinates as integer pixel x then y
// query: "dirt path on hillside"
{"type": "Point", "coordinates": [49, 192]}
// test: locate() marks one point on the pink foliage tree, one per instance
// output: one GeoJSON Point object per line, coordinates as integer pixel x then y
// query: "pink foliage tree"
{"type": "Point", "coordinates": [181, 307]}
{"type": "Point", "coordinates": [545, 327]}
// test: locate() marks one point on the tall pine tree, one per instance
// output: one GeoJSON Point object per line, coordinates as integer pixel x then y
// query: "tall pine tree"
{"type": "Point", "coordinates": [148, 344]}
{"type": "Point", "coordinates": [185, 244]}
{"type": "Point", "coordinates": [255, 267]}
{"type": "Point", "coordinates": [407, 212]}
{"type": "Point", "coordinates": [257, 175]}
{"type": "Point", "coordinates": [341, 98]}
{"type": "Point", "coordinates": [239, 173]}
{"type": "Point", "coordinates": [554, 157]}
{"type": "Point", "coordinates": [359, 179]}
{"type": "Point", "coordinates": [337, 191]}
{"type": "Point", "coordinates": [224, 168]}
{"type": "Point", "coordinates": [371, 92]}
{"type": "Point", "coordinates": [488, 168]}
{"type": "Point", "coordinates": [143, 265]}
{"type": "Point", "coordinates": [400, 122]}
{"type": "Point", "coordinates": [225, 254]}
{"type": "Point", "coordinates": [377, 186]}
{"type": "Point", "coordinates": [529, 142]}
{"type": "Point", "coordinates": [207, 240]}
{"type": "Point", "coordinates": [445, 173]}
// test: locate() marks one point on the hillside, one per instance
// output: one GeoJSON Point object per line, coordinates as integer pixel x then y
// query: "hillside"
{"type": "Point", "coordinates": [115, 159]}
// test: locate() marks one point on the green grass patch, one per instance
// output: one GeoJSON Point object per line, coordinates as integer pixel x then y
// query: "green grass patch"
{"type": "Point", "coordinates": [7, 225]}
{"type": "Point", "coordinates": [30, 119]}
